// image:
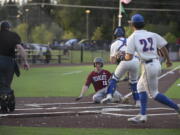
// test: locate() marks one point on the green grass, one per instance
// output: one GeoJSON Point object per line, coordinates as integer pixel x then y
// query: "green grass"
{"type": "Point", "coordinates": [82, 131]}
{"type": "Point", "coordinates": [56, 81]}
{"type": "Point", "coordinates": [75, 56]}
{"type": "Point", "coordinates": [52, 81]}
{"type": "Point", "coordinates": [88, 56]}
{"type": "Point", "coordinates": [174, 91]}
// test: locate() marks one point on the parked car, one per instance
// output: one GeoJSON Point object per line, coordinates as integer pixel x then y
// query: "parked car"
{"type": "Point", "coordinates": [71, 42]}
{"type": "Point", "coordinates": [86, 44]}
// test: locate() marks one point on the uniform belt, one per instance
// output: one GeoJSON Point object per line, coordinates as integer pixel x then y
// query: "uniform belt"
{"type": "Point", "coordinates": [149, 61]}
{"type": "Point", "coordinates": [137, 57]}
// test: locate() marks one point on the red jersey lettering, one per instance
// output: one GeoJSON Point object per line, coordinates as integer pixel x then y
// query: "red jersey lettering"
{"type": "Point", "coordinates": [98, 79]}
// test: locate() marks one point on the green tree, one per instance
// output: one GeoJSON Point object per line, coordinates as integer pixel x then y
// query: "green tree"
{"type": "Point", "coordinates": [40, 34]}
{"type": "Point", "coordinates": [171, 38]}
{"type": "Point", "coordinates": [68, 35]}
{"type": "Point", "coordinates": [106, 32]}
{"type": "Point", "coordinates": [74, 19]}
{"type": "Point", "coordinates": [71, 19]}
{"type": "Point", "coordinates": [56, 30]}
{"type": "Point", "coordinates": [128, 31]}
{"type": "Point", "coordinates": [97, 35]}
{"type": "Point", "coordinates": [21, 29]}
{"type": "Point", "coordinates": [173, 27]}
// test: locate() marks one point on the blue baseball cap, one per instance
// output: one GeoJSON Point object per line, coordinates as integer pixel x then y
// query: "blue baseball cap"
{"type": "Point", "coordinates": [137, 18]}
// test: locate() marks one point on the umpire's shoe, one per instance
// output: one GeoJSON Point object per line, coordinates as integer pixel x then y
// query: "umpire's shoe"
{"type": "Point", "coordinates": [107, 99]}
{"type": "Point", "coordinates": [138, 119]}
{"type": "Point", "coordinates": [11, 102]}
{"type": "Point", "coordinates": [7, 101]}
{"type": "Point", "coordinates": [3, 103]}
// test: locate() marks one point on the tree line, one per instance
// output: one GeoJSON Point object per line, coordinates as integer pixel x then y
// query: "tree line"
{"type": "Point", "coordinates": [44, 23]}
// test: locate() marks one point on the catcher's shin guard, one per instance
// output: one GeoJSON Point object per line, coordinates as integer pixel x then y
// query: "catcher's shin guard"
{"type": "Point", "coordinates": [134, 91]}
{"type": "Point", "coordinates": [7, 100]}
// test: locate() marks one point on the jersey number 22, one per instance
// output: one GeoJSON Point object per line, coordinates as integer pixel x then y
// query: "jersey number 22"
{"type": "Point", "coordinates": [147, 44]}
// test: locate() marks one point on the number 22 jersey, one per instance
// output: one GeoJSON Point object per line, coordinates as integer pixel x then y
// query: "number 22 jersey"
{"type": "Point", "coordinates": [145, 43]}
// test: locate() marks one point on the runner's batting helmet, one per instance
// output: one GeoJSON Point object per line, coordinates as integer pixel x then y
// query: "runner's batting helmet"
{"type": "Point", "coordinates": [5, 25]}
{"type": "Point", "coordinates": [98, 60]}
{"type": "Point", "coordinates": [119, 32]}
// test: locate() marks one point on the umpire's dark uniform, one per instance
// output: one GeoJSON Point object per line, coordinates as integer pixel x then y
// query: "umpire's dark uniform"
{"type": "Point", "coordinates": [8, 42]}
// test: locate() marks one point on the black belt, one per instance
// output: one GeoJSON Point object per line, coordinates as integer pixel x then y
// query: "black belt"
{"type": "Point", "coordinates": [149, 61]}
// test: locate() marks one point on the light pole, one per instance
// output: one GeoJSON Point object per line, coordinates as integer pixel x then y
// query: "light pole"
{"type": "Point", "coordinates": [26, 15]}
{"type": "Point", "coordinates": [87, 22]}
{"type": "Point", "coordinates": [26, 20]}
{"type": "Point", "coordinates": [119, 19]}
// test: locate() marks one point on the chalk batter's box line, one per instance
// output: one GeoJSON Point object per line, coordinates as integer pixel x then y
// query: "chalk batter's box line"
{"type": "Point", "coordinates": [105, 111]}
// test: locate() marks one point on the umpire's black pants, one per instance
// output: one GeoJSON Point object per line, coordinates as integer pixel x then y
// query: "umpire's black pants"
{"type": "Point", "coordinates": [7, 65]}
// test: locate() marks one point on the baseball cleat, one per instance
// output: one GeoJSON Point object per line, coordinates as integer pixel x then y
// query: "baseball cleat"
{"type": "Point", "coordinates": [107, 99]}
{"type": "Point", "coordinates": [138, 119]}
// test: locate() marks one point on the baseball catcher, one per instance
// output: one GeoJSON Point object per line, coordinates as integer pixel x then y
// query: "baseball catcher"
{"type": "Point", "coordinates": [117, 53]}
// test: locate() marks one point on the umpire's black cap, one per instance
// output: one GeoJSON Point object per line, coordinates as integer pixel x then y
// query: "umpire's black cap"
{"type": "Point", "coordinates": [5, 25]}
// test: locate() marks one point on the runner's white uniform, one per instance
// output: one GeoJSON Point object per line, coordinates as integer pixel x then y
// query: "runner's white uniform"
{"type": "Point", "coordinates": [145, 43]}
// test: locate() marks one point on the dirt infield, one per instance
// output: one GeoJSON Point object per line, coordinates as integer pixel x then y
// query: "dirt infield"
{"type": "Point", "coordinates": [65, 112]}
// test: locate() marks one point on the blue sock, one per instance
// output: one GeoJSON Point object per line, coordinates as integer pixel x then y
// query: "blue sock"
{"type": "Point", "coordinates": [166, 101]}
{"type": "Point", "coordinates": [134, 91]}
{"type": "Point", "coordinates": [111, 86]}
{"type": "Point", "coordinates": [143, 99]}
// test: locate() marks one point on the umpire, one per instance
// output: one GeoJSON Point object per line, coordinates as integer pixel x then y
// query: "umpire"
{"type": "Point", "coordinates": [9, 41]}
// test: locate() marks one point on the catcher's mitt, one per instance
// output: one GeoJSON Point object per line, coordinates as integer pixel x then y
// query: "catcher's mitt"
{"type": "Point", "coordinates": [120, 56]}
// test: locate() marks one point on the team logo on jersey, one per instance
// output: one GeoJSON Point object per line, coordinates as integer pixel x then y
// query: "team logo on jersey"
{"type": "Point", "coordinates": [99, 78]}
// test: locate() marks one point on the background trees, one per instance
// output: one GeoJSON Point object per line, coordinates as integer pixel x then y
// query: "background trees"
{"type": "Point", "coordinates": [33, 20]}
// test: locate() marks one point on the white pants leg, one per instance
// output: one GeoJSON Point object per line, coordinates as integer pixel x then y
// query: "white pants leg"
{"type": "Point", "coordinates": [128, 66]}
{"type": "Point", "coordinates": [98, 96]}
{"type": "Point", "coordinates": [149, 77]}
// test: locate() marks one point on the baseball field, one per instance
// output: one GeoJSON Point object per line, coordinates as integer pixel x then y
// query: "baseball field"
{"type": "Point", "coordinates": [45, 104]}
